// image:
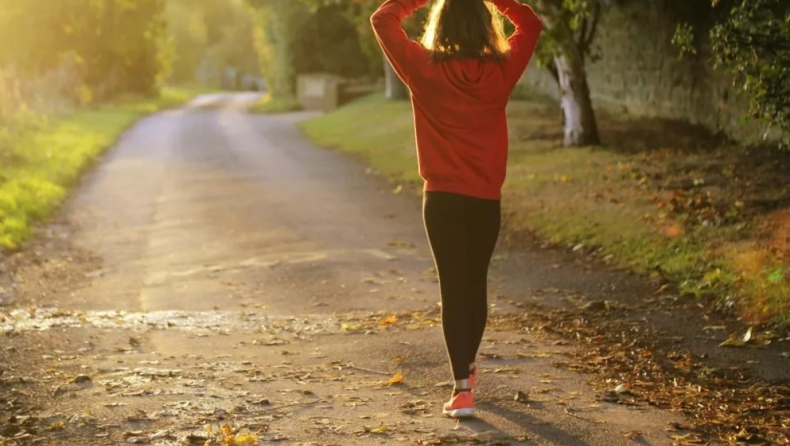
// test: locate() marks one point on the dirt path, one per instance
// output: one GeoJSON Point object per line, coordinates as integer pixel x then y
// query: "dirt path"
{"type": "Point", "coordinates": [216, 269]}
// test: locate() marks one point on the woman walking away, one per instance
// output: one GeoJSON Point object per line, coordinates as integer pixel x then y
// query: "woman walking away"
{"type": "Point", "coordinates": [460, 78]}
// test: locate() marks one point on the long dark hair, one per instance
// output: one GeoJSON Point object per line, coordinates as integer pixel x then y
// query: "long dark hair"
{"type": "Point", "coordinates": [465, 29]}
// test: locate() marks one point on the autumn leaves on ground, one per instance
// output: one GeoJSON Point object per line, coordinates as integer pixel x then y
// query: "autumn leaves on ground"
{"type": "Point", "coordinates": [211, 276]}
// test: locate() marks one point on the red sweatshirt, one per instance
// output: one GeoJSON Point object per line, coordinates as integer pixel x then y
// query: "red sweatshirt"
{"type": "Point", "coordinates": [459, 105]}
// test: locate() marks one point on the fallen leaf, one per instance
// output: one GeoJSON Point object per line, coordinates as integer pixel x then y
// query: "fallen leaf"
{"type": "Point", "coordinates": [351, 327]}
{"type": "Point", "coordinates": [81, 379]}
{"type": "Point", "coordinates": [133, 434]}
{"type": "Point", "coordinates": [506, 370]}
{"type": "Point", "coordinates": [396, 379]}
{"type": "Point", "coordinates": [632, 435]}
{"type": "Point", "coordinates": [521, 397]}
{"type": "Point", "coordinates": [389, 320]}
{"type": "Point", "coordinates": [246, 440]}
{"type": "Point", "coordinates": [748, 339]}
{"type": "Point", "coordinates": [748, 336]}
{"type": "Point", "coordinates": [379, 430]}
{"type": "Point", "coordinates": [193, 439]}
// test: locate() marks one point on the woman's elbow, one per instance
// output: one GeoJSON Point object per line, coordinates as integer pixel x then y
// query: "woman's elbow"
{"type": "Point", "coordinates": [536, 23]}
{"type": "Point", "coordinates": [382, 19]}
{"type": "Point", "coordinates": [378, 20]}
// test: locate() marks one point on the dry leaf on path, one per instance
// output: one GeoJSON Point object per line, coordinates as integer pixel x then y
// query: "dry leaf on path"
{"type": "Point", "coordinates": [521, 397]}
{"type": "Point", "coordinates": [246, 440]}
{"type": "Point", "coordinates": [632, 435]}
{"type": "Point", "coordinates": [81, 379]}
{"type": "Point", "coordinates": [379, 430]}
{"type": "Point", "coordinates": [396, 379]}
{"type": "Point", "coordinates": [389, 320]}
{"type": "Point", "coordinates": [750, 339]}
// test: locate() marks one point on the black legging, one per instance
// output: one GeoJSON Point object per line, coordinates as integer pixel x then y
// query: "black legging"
{"type": "Point", "coordinates": [462, 232]}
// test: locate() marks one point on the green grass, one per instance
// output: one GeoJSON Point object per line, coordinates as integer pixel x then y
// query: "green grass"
{"type": "Point", "coordinates": [587, 198]}
{"type": "Point", "coordinates": [269, 105]}
{"type": "Point", "coordinates": [377, 131]}
{"type": "Point", "coordinates": [41, 162]}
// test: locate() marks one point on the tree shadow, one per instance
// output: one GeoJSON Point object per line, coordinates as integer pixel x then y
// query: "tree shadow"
{"type": "Point", "coordinates": [641, 135]}
{"type": "Point", "coordinates": [540, 122]}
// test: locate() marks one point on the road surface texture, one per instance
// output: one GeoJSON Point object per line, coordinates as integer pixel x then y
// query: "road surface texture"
{"type": "Point", "coordinates": [223, 271]}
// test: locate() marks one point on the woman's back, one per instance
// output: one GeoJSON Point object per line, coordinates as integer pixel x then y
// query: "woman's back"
{"type": "Point", "coordinates": [459, 99]}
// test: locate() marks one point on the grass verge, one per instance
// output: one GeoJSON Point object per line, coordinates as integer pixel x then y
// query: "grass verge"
{"type": "Point", "coordinates": [660, 198]}
{"type": "Point", "coordinates": [39, 163]}
{"type": "Point", "coordinates": [270, 105]}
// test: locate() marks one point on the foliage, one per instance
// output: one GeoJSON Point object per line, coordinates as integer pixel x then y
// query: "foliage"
{"type": "Point", "coordinates": [26, 100]}
{"type": "Point", "coordinates": [295, 37]}
{"type": "Point", "coordinates": [276, 25]}
{"type": "Point", "coordinates": [208, 35]}
{"type": "Point", "coordinates": [358, 12]}
{"type": "Point", "coordinates": [571, 26]}
{"type": "Point", "coordinates": [119, 45]}
{"type": "Point", "coordinates": [753, 43]}
{"type": "Point", "coordinates": [569, 29]}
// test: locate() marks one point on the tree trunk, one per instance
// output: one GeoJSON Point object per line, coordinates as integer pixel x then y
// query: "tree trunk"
{"type": "Point", "coordinates": [395, 89]}
{"type": "Point", "coordinates": [581, 128]}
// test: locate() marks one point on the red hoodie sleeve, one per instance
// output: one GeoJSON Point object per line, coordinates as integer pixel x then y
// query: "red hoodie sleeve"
{"type": "Point", "coordinates": [403, 53]}
{"type": "Point", "coordinates": [524, 40]}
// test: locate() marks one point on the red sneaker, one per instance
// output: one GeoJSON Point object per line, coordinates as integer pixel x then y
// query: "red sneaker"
{"type": "Point", "coordinates": [461, 405]}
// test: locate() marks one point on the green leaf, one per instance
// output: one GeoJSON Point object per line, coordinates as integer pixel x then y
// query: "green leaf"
{"type": "Point", "coordinates": [776, 276]}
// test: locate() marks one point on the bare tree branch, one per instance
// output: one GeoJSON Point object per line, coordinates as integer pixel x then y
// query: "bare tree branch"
{"type": "Point", "coordinates": [596, 18]}
{"type": "Point", "coordinates": [552, 68]}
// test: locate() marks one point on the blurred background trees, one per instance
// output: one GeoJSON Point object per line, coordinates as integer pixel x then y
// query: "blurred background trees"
{"type": "Point", "coordinates": [87, 51]}
{"type": "Point", "coordinates": [115, 46]}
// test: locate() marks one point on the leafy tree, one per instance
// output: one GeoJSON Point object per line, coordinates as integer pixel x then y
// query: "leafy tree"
{"type": "Point", "coordinates": [752, 42]}
{"type": "Point", "coordinates": [570, 27]}
{"type": "Point", "coordinates": [329, 42]}
{"type": "Point", "coordinates": [210, 31]}
{"type": "Point", "coordinates": [277, 24]}
{"type": "Point", "coordinates": [120, 44]}
{"type": "Point", "coordinates": [295, 37]}
{"type": "Point", "coordinates": [189, 39]}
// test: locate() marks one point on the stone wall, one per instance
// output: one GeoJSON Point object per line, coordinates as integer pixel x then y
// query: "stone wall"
{"type": "Point", "coordinates": [640, 73]}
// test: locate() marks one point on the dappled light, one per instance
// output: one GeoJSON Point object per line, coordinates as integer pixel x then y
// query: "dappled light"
{"type": "Point", "coordinates": [417, 222]}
